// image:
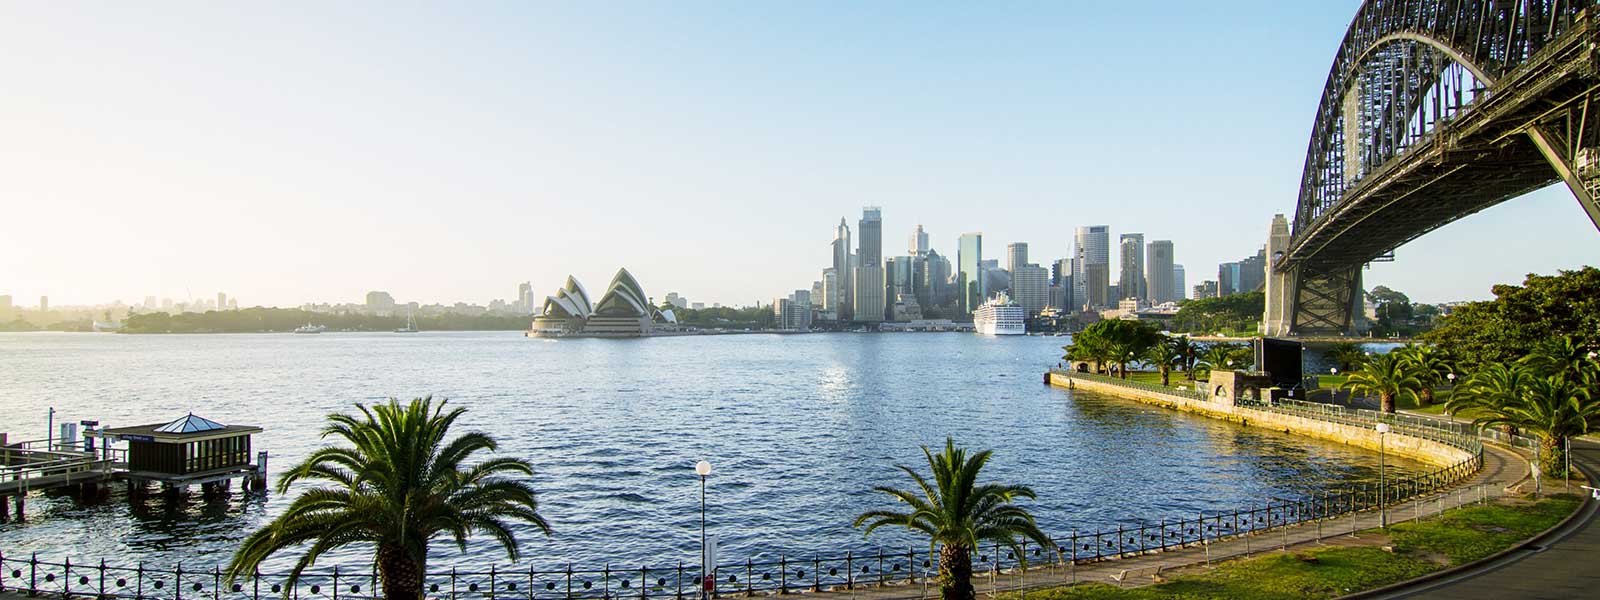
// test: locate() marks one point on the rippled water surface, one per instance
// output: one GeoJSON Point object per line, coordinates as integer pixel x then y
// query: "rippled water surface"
{"type": "Point", "coordinates": [798, 428]}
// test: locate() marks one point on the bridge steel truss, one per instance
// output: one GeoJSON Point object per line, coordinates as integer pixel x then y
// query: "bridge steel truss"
{"type": "Point", "coordinates": [1435, 110]}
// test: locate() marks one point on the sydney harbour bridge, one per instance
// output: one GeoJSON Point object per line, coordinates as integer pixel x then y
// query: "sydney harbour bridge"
{"type": "Point", "coordinates": [1433, 110]}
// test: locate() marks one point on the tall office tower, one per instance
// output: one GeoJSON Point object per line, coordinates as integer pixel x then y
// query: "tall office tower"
{"type": "Point", "coordinates": [900, 269]}
{"type": "Point", "coordinates": [870, 231]}
{"type": "Point", "coordinates": [1227, 279]}
{"type": "Point", "coordinates": [1016, 255]}
{"type": "Point", "coordinates": [1058, 297]}
{"type": "Point", "coordinates": [969, 272]}
{"type": "Point", "coordinates": [1179, 290]}
{"type": "Point", "coordinates": [44, 304]}
{"type": "Point", "coordinates": [1030, 288]}
{"type": "Point", "coordinates": [1093, 248]}
{"type": "Point", "coordinates": [525, 297]}
{"type": "Point", "coordinates": [816, 295]}
{"type": "Point", "coordinates": [1158, 272]}
{"type": "Point", "coordinates": [937, 280]}
{"type": "Point", "coordinates": [149, 302]}
{"type": "Point", "coordinates": [1097, 284]}
{"type": "Point", "coordinates": [919, 242]}
{"type": "Point", "coordinates": [222, 301]}
{"type": "Point", "coordinates": [842, 270]}
{"type": "Point", "coordinates": [1132, 276]}
{"type": "Point", "coordinates": [1252, 272]}
{"type": "Point", "coordinates": [871, 298]}
{"type": "Point", "coordinates": [830, 291]}
{"type": "Point", "coordinates": [1205, 290]}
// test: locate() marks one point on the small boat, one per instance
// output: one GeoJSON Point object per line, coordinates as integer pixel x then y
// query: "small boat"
{"type": "Point", "coordinates": [309, 328]}
{"type": "Point", "coordinates": [411, 324]}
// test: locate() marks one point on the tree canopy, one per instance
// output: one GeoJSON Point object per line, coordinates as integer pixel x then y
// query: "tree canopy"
{"type": "Point", "coordinates": [1235, 312]}
{"type": "Point", "coordinates": [1512, 325]}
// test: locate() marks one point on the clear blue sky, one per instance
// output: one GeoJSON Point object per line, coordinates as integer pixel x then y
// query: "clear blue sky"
{"type": "Point", "coordinates": [301, 151]}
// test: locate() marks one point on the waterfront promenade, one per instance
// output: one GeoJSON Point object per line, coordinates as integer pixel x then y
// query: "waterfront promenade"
{"type": "Point", "coordinates": [1563, 567]}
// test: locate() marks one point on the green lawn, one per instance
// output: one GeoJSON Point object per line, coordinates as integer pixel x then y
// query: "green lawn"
{"type": "Point", "coordinates": [1420, 548]}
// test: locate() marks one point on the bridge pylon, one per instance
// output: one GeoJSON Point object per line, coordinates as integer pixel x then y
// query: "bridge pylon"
{"type": "Point", "coordinates": [1301, 301]}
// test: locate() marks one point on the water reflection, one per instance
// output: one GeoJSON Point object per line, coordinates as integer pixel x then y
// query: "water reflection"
{"type": "Point", "coordinates": [799, 428]}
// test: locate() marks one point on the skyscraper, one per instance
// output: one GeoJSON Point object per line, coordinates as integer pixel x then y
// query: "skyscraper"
{"type": "Point", "coordinates": [44, 304]}
{"type": "Point", "coordinates": [1178, 288]}
{"type": "Point", "coordinates": [1016, 256]}
{"type": "Point", "coordinates": [1158, 272]}
{"type": "Point", "coordinates": [1252, 272]}
{"type": "Point", "coordinates": [1030, 287]}
{"type": "Point", "coordinates": [919, 242]}
{"type": "Point", "coordinates": [871, 300]}
{"type": "Point", "coordinates": [969, 272]}
{"type": "Point", "coordinates": [842, 272]}
{"type": "Point", "coordinates": [900, 271]}
{"type": "Point", "coordinates": [1132, 277]}
{"type": "Point", "coordinates": [525, 297]}
{"type": "Point", "coordinates": [1093, 249]}
{"type": "Point", "coordinates": [222, 301]}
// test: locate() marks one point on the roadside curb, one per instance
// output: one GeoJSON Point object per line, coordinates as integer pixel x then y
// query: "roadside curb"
{"type": "Point", "coordinates": [1586, 508]}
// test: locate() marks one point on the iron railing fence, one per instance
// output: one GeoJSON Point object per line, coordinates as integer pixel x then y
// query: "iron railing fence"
{"type": "Point", "coordinates": [879, 567]}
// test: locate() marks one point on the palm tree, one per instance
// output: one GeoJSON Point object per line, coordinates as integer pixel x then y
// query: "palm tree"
{"type": "Point", "coordinates": [1429, 364]}
{"type": "Point", "coordinates": [1348, 355]}
{"type": "Point", "coordinates": [1164, 356]}
{"type": "Point", "coordinates": [957, 513]}
{"type": "Point", "coordinates": [1387, 376]}
{"type": "Point", "coordinates": [1219, 356]}
{"type": "Point", "coordinates": [1562, 355]}
{"type": "Point", "coordinates": [1491, 389]}
{"type": "Point", "coordinates": [1553, 409]}
{"type": "Point", "coordinates": [399, 486]}
{"type": "Point", "coordinates": [1188, 349]}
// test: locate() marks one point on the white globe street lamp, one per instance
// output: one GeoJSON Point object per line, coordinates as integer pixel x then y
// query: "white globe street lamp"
{"type": "Point", "coordinates": [703, 468]}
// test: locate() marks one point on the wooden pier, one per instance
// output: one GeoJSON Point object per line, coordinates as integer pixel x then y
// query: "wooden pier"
{"type": "Point", "coordinates": [189, 451]}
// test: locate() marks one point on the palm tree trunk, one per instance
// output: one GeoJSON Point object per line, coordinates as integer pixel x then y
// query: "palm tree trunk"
{"type": "Point", "coordinates": [1386, 402]}
{"type": "Point", "coordinates": [1551, 459]}
{"type": "Point", "coordinates": [1425, 397]}
{"type": "Point", "coordinates": [1166, 376]}
{"type": "Point", "coordinates": [402, 576]}
{"type": "Point", "coordinates": [955, 573]}
{"type": "Point", "coordinates": [1122, 369]}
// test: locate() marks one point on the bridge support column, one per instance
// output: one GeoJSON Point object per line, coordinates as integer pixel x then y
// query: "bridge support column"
{"type": "Point", "coordinates": [1325, 302]}
{"type": "Point", "coordinates": [5, 509]}
{"type": "Point", "coordinates": [1280, 284]}
{"type": "Point", "coordinates": [1583, 179]}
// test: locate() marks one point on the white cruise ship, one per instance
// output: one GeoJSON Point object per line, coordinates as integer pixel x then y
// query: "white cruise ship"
{"type": "Point", "coordinates": [999, 316]}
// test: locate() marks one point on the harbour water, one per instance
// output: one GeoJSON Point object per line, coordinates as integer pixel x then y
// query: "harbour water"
{"type": "Point", "coordinates": [798, 430]}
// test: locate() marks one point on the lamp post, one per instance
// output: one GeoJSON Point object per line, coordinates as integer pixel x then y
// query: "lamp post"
{"type": "Point", "coordinates": [1452, 378]}
{"type": "Point", "coordinates": [1383, 510]}
{"type": "Point", "coordinates": [703, 468]}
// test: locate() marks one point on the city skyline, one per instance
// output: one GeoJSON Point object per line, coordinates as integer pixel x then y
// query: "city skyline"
{"type": "Point", "coordinates": [272, 167]}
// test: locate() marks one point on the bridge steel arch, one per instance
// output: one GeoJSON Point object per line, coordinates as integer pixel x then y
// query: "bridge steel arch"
{"type": "Point", "coordinates": [1432, 110]}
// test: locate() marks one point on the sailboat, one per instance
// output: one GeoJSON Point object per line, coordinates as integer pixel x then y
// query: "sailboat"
{"type": "Point", "coordinates": [411, 324]}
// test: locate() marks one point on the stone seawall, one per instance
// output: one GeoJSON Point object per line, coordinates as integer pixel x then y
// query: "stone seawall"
{"type": "Point", "coordinates": [1421, 449]}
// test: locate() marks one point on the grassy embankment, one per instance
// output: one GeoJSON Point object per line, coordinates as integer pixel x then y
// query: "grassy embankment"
{"type": "Point", "coordinates": [1433, 544]}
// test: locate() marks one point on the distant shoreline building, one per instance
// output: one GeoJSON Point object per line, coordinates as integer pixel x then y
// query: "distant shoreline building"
{"type": "Point", "coordinates": [624, 311]}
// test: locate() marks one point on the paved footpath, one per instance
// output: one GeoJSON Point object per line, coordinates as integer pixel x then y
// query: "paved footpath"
{"type": "Point", "coordinates": [1501, 468]}
{"type": "Point", "coordinates": [1567, 567]}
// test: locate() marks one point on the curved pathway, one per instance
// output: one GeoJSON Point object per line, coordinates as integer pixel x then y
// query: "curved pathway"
{"type": "Point", "coordinates": [1501, 468]}
{"type": "Point", "coordinates": [1563, 567]}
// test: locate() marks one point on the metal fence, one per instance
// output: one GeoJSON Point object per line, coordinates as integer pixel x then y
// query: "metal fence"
{"type": "Point", "coordinates": [788, 575]}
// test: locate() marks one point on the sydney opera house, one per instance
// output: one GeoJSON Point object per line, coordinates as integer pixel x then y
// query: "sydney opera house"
{"type": "Point", "coordinates": [623, 311]}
